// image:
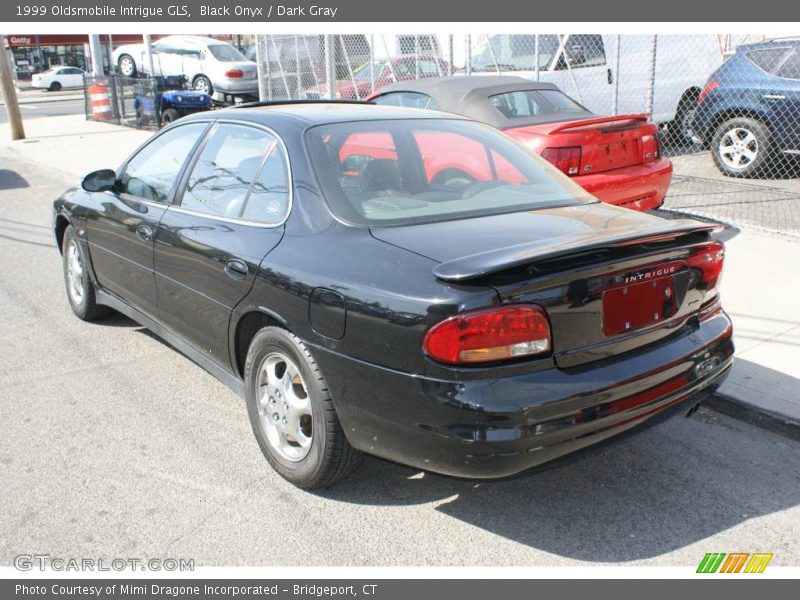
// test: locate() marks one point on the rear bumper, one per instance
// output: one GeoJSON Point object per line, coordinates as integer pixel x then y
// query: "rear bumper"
{"type": "Point", "coordinates": [235, 87]}
{"type": "Point", "coordinates": [490, 428]}
{"type": "Point", "coordinates": [640, 187]}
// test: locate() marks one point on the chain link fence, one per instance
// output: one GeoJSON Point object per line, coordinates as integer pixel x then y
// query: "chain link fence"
{"type": "Point", "coordinates": [727, 106]}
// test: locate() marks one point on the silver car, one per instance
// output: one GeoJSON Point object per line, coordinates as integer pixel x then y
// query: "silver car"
{"type": "Point", "coordinates": [209, 65]}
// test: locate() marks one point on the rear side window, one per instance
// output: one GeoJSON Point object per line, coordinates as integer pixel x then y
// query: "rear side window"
{"type": "Point", "coordinates": [240, 174]}
{"type": "Point", "coordinates": [407, 99]}
{"type": "Point", "coordinates": [766, 59]}
{"type": "Point", "coordinates": [790, 69]}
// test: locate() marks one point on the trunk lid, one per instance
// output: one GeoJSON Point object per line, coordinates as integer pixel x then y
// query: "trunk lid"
{"type": "Point", "coordinates": [606, 143]}
{"type": "Point", "coordinates": [610, 279]}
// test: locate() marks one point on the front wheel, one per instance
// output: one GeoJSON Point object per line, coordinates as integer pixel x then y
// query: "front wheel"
{"type": "Point", "coordinates": [740, 147]}
{"type": "Point", "coordinates": [80, 291]}
{"type": "Point", "coordinates": [168, 116]}
{"type": "Point", "coordinates": [292, 414]}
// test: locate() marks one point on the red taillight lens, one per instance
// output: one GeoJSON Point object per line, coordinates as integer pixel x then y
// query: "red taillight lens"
{"type": "Point", "coordinates": [234, 73]}
{"type": "Point", "coordinates": [567, 160]}
{"type": "Point", "coordinates": [651, 147]}
{"type": "Point", "coordinates": [709, 259]}
{"type": "Point", "coordinates": [489, 335]}
{"type": "Point", "coordinates": [710, 87]}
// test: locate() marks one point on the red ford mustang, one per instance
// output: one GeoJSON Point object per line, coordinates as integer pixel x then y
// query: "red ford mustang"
{"type": "Point", "coordinates": [617, 159]}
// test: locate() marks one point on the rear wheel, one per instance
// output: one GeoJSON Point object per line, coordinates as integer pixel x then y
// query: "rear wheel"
{"type": "Point", "coordinates": [741, 146]}
{"type": "Point", "coordinates": [203, 84]}
{"type": "Point", "coordinates": [292, 414]}
{"type": "Point", "coordinates": [55, 86]}
{"type": "Point", "coordinates": [679, 128]}
{"type": "Point", "coordinates": [80, 291]}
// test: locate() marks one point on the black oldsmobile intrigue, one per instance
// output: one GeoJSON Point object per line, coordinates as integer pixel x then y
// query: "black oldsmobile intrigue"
{"type": "Point", "coordinates": [403, 283]}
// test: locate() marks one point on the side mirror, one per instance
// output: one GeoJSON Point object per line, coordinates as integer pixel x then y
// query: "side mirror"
{"type": "Point", "coordinates": [100, 181]}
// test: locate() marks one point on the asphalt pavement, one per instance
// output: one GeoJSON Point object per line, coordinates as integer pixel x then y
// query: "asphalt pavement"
{"type": "Point", "coordinates": [37, 110]}
{"type": "Point", "coordinates": [114, 444]}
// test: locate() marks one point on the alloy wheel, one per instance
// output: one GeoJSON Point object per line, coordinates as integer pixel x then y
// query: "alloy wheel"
{"type": "Point", "coordinates": [738, 148]}
{"type": "Point", "coordinates": [284, 407]}
{"type": "Point", "coordinates": [75, 273]}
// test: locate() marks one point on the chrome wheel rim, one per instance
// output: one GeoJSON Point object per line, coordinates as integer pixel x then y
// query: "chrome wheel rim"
{"type": "Point", "coordinates": [738, 148]}
{"type": "Point", "coordinates": [284, 407]}
{"type": "Point", "coordinates": [126, 66]}
{"type": "Point", "coordinates": [201, 85]}
{"type": "Point", "coordinates": [74, 273]}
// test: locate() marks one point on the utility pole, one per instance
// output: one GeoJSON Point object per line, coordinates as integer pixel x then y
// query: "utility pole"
{"type": "Point", "coordinates": [97, 55]}
{"type": "Point", "coordinates": [10, 93]}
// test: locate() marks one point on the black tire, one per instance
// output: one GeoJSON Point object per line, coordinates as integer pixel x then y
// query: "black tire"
{"type": "Point", "coordinates": [330, 457]}
{"type": "Point", "coordinates": [741, 129]}
{"type": "Point", "coordinates": [85, 307]}
{"type": "Point", "coordinates": [55, 86]}
{"type": "Point", "coordinates": [678, 128]}
{"type": "Point", "coordinates": [127, 66]}
{"type": "Point", "coordinates": [202, 83]}
{"type": "Point", "coordinates": [453, 178]}
{"type": "Point", "coordinates": [168, 116]}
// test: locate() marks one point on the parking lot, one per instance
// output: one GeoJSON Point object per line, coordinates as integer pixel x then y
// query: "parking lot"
{"type": "Point", "coordinates": [116, 445]}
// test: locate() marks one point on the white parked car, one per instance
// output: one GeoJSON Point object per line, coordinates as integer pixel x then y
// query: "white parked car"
{"type": "Point", "coordinates": [209, 65]}
{"type": "Point", "coordinates": [58, 78]}
{"type": "Point", "coordinates": [593, 68]}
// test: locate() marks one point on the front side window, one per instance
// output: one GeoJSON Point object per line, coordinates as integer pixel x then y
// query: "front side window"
{"type": "Point", "coordinates": [398, 172]}
{"type": "Point", "coordinates": [152, 173]}
{"type": "Point", "coordinates": [514, 52]}
{"type": "Point", "coordinates": [583, 50]}
{"type": "Point", "coordinates": [240, 174]}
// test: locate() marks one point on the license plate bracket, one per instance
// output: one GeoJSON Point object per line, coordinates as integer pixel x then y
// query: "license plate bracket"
{"type": "Point", "coordinates": [632, 306]}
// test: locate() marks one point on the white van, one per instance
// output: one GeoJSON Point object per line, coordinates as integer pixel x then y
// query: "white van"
{"type": "Point", "coordinates": [609, 74]}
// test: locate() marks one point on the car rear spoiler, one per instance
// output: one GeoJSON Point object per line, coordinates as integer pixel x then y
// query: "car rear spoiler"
{"type": "Point", "coordinates": [474, 266]}
{"type": "Point", "coordinates": [582, 123]}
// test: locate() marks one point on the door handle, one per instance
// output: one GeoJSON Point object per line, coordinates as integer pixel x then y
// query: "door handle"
{"type": "Point", "coordinates": [144, 232]}
{"type": "Point", "coordinates": [773, 97]}
{"type": "Point", "coordinates": [235, 268]}
{"type": "Point", "coordinates": [609, 76]}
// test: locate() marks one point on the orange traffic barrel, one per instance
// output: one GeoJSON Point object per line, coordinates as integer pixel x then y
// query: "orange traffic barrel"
{"type": "Point", "coordinates": [101, 103]}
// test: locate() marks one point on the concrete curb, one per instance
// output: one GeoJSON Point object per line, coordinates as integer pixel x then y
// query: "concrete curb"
{"type": "Point", "coordinates": [764, 419]}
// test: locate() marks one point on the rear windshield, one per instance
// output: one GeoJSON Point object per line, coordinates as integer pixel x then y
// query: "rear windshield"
{"type": "Point", "coordinates": [532, 103]}
{"type": "Point", "coordinates": [399, 172]}
{"type": "Point", "coordinates": [225, 53]}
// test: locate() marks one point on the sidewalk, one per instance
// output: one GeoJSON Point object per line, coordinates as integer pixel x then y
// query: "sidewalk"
{"type": "Point", "coordinates": [760, 287]}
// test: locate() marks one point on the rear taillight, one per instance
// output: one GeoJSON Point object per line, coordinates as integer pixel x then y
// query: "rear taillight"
{"type": "Point", "coordinates": [567, 160]}
{"type": "Point", "coordinates": [709, 259]}
{"type": "Point", "coordinates": [234, 73]}
{"type": "Point", "coordinates": [490, 335]}
{"type": "Point", "coordinates": [651, 147]}
{"type": "Point", "coordinates": [710, 87]}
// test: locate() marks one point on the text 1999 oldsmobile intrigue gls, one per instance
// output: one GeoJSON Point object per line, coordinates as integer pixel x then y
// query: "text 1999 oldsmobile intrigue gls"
{"type": "Point", "coordinates": [328, 262]}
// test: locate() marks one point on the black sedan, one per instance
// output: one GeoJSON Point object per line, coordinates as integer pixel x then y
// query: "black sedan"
{"type": "Point", "coordinates": [324, 261]}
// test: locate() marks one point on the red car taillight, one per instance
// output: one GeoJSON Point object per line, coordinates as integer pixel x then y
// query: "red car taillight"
{"type": "Point", "coordinates": [234, 73]}
{"type": "Point", "coordinates": [490, 335]}
{"type": "Point", "coordinates": [709, 259]}
{"type": "Point", "coordinates": [567, 160]}
{"type": "Point", "coordinates": [710, 87]}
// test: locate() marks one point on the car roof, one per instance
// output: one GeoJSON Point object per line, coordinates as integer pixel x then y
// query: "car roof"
{"type": "Point", "coordinates": [773, 43]}
{"type": "Point", "coordinates": [469, 96]}
{"type": "Point", "coordinates": [305, 113]}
